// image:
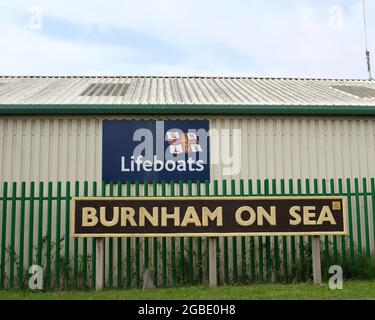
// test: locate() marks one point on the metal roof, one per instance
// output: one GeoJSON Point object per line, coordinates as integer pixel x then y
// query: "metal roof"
{"type": "Point", "coordinates": [181, 94]}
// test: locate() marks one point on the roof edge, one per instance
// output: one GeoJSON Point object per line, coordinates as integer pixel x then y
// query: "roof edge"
{"type": "Point", "coordinates": [100, 109]}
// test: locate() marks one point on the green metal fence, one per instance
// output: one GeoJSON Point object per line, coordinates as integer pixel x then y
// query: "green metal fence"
{"type": "Point", "coordinates": [34, 221]}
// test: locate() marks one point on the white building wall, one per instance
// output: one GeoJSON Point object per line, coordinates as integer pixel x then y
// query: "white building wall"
{"type": "Point", "coordinates": [69, 148]}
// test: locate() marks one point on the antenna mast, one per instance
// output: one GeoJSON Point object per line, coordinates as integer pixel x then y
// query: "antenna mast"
{"type": "Point", "coordinates": [367, 50]}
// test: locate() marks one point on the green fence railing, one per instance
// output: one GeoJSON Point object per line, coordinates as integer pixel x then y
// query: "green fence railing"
{"type": "Point", "coordinates": [34, 224]}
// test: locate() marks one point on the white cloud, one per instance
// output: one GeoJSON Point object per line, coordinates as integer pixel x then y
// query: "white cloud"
{"type": "Point", "coordinates": [277, 38]}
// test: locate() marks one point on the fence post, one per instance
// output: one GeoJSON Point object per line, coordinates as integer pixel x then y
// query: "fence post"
{"type": "Point", "coordinates": [316, 263]}
{"type": "Point", "coordinates": [212, 262]}
{"type": "Point", "coordinates": [99, 278]}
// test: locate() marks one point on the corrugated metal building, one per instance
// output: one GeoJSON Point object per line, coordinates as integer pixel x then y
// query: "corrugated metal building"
{"type": "Point", "coordinates": [51, 129]}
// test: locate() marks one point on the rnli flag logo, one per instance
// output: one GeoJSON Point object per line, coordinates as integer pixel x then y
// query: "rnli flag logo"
{"type": "Point", "coordinates": [183, 142]}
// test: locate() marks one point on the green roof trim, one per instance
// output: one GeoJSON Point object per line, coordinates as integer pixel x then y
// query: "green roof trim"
{"type": "Point", "coordinates": [177, 109]}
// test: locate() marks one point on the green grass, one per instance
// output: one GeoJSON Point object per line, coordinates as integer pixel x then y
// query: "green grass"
{"type": "Point", "coordinates": [306, 291]}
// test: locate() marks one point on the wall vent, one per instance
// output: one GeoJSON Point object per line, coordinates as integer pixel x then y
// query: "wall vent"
{"type": "Point", "coordinates": [105, 90]}
{"type": "Point", "coordinates": [358, 91]}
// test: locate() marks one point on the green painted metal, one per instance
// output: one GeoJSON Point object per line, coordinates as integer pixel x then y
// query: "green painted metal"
{"type": "Point", "coordinates": [58, 236]}
{"type": "Point", "coordinates": [22, 236]}
{"type": "Point", "coordinates": [358, 216]}
{"type": "Point", "coordinates": [128, 274]}
{"type": "Point", "coordinates": [197, 109]}
{"type": "Point", "coordinates": [334, 239]}
{"type": "Point", "coordinates": [49, 236]}
{"type": "Point", "coordinates": [276, 250]}
{"type": "Point", "coordinates": [164, 245]}
{"type": "Point", "coordinates": [366, 214]}
{"type": "Point", "coordinates": [190, 242]}
{"type": "Point", "coordinates": [226, 253]}
{"type": "Point", "coordinates": [173, 245]}
{"type": "Point", "coordinates": [218, 248]}
{"type": "Point", "coordinates": [199, 245]}
{"type": "Point", "coordinates": [110, 247]}
{"type": "Point", "coordinates": [12, 252]}
{"type": "Point", "coordinates": [40, 224]}
{"type": "Point", "coordinates": [182, 243]}
{"type": "Point", "coordinates": [19, 205]}
{"type": "Point", "coordinates": [252, 242]}
{"type": "Point", "coordinates": [373, 206]}
{"type": "Point", "coordinates": [137, 249]}
{"type": "Point", "coordinates": [350, 218]}
{"type": "Point", "coordinates": [155, 243]}
{"type": "Point", "coordinates": [119, 247]}
{"type": "Point", "coordinates": [268, 239]}
{"type": "Point", "coordinates": [343, 238]}
{"type": "Point", "coordinates": [145, 240]}
{"type": "Point", "coordinates": [3, 234]}
{"type": "Point", "coordinates": [285, 241]}
{"type": "Point", "coordinates": [75, 248]}
{"type": "Point", "coordinates": [84, 244]}
{"type": "Point", "coordinates": [243, 239]}
{"type": "Point", "coordinates": [292, 238]}
{"type": "Point", "coordinates": [301, 241]}
{"type": "Point", "coordinates": [31, 224]}
{"type": "Point", "coordinates": [67, 238]}
{"type": "Point", "coordinates": [234, 241]}
{"type": "Point", "coordinates": [93, 243]}
{"type": "Point", "coordinates": [260, 241]}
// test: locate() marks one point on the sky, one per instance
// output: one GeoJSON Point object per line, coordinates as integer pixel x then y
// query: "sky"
{"type": "Point", "coordinates": [255, 38]}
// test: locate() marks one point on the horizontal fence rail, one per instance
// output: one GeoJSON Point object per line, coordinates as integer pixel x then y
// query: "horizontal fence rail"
{"type": "Point", "coordinates": [35, 220]}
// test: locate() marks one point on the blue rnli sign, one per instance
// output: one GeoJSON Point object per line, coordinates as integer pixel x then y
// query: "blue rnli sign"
{"type": "Point", "coordinates": [148, 150]}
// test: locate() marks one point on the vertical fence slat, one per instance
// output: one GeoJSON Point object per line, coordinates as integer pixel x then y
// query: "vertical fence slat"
{"type": "Point", "coordinates": [31, 224]}
{"type": "Point", "coordinates": [75, 247]}
{"type": "Point", "coordinates": [164, 245]}
{"type": "Point", "coordinates": [285, 241]}
{"type": "Point", "coordinates": [3, 234]}
{"type": "Point", "coordinates": [234, 240]}
{"type": "Point", "coordinates": [58, 236]}
{"type": "Point", "coordinates": [40, 224]}
{"type": "Point", "coordinates": [292, 238]}
{"type": "Point", "coordinates": [226, 253]}
{"type": "Point", "coordinates": [145, 240]}
{"type": "Point", "coordinates": [137, 248]}
{"type": "Point", "coordinates": [22, 236]}
{"type": "Point", "coordinates": [182, 243]}
{"type": "Point", "coordinates": [67, 236]}
{"type": "Point", "coordinates": [12, 252]}
{"type": "Point", "coordinates": [155, 243]}
{"type": "Point", "coordinates": [366, 214]}
{"type": "Point", "coordinates": [119, 246]}
{"type": "Point", "coordinates": [276, 242]}
{"type": "Point", "coordinates": [260, 242]}
{"type": "Point", "coordinates": [268, 239]}
{"type": "Point", "coordinates": [243, 239]}
{"type": "Point", "coordinates": [93, 244]}
{"type": "Point", "coordinates": [128, 249]}
{"type": "Point", "coordinates": [173, 245]}
{"type": "Point", "coordinates": [373, 208]}
{"type": "Point", "coordinates": [110, 247]}
{"type": "Point", "coordinates": [84, 244]}
{"type": "Point", "coordinates": [218, 250]}
{"type": "Point", "coordinates": [343, 238]}
{"type": "Point", "coordinates": [49, 236]}
{"type": "Point", "coordinates": [358, 216]}
{"type": "Point", "coordinates": [252, 241]}
{"type": "Point", "coordinates": [334, 238]}
{"type": "Point", "coordinates": [350, 218]}
{"type": "Point", "coordinates": [199, 244]}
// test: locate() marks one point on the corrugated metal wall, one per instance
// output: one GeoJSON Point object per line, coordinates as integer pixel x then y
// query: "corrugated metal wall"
{"type": "Point", "coordinates": [50, 149]}
{"type": "Point", "coordinates": [69, 149]}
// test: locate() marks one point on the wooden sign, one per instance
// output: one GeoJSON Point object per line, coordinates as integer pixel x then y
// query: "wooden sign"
{"type": "Point", "coordinates": [208, 216]}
